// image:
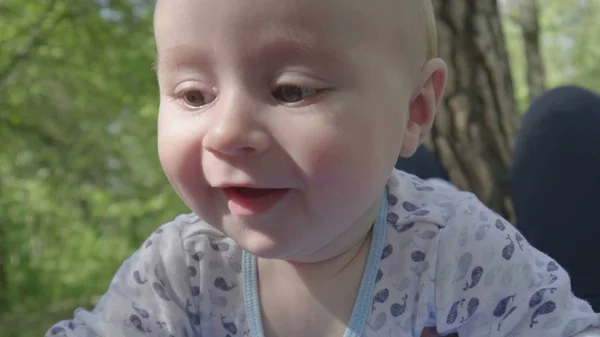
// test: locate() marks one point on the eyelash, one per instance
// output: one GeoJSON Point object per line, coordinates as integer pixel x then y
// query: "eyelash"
{"type": "Point", "coordinates": [314, 93]}
{"type": "Point", "coordinates": [181, 97]}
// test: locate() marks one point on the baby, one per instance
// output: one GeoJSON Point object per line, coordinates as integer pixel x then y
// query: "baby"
{"type": "Point", "coordinates": [280, 122]}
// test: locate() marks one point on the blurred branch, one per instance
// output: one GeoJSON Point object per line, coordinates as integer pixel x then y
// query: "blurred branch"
{"type": "Point", "coordinates": [530, 30]}
{"type": "Point", "coordinates": [33, 41]}
{"type": "Point", "coordinates": [33, 131]}
{"type": "Point", "coordinates": [5, 10]}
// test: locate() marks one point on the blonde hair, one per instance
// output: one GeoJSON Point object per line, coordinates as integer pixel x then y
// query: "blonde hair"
{"type": "Point", "coordinates": [427, 14]}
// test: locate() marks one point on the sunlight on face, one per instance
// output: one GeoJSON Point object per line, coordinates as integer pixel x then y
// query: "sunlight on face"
{"type": "Point", "coordinates": [307, 96]}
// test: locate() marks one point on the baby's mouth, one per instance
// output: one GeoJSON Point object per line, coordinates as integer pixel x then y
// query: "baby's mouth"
{"type": "Point", "coordinates": [249, 201]}
{"type": "Point", "coordinates": [250, 192]}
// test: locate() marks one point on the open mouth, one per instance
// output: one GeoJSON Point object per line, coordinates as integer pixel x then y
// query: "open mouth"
{"type": "Point", "coordinates": [248, 192]}
{"type": "Point", "coordinates": [247, 201]}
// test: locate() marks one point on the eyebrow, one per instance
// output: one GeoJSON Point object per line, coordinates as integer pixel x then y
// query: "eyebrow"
{"type": "Point", "coordinates": [177, 55]}
{"type": "Point", "coordinates": [301, 49]}
{"type": "Point", "coordinates": [319, 53]}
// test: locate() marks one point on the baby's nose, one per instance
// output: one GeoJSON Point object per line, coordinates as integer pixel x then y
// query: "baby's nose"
{"type": "Point", "coordinates": [236, 132]}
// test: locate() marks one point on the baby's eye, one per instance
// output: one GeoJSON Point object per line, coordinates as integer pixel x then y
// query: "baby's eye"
{"type": "Point", "coordinates": [195, 99]}
{"type": "Point", "coordinates": [292, 93]}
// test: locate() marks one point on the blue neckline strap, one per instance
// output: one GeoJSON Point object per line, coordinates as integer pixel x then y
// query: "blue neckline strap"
{"type": "Point", "coordinates": [362, 305]}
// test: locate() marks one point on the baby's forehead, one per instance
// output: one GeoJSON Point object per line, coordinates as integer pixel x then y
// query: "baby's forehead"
{"type": "Point", "coordinates": [395, 24]}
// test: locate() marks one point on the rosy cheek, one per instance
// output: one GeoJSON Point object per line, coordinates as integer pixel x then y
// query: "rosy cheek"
{"type": "Point", "coordinates": [318, 153]}
{"type": "Point", "coordinates": [327, 161]}
{"type": "Point", "coordinates": [180, 152]}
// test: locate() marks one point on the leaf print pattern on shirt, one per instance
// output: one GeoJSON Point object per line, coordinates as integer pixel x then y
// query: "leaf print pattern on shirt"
{"type": "Point", "coordinates": [552, 266]}
{"type": "Point", "coordinates": [397, 309]}
{"type": "Point", "coordinates": [221, 284]}
{"type": "Point", "coordinates": [143, 313]}
{"type": "Point", "coordinates": [392, 199]}
{"type": "Point", "coordinates": [138, 278]}
{"type": "Point", "coordinates": [538, 296]}
{"type": "Point", "coordinates": [403, 228]}
{"type": "Point", "coordinates": [197, 256]}
{"type": "Point", "coordinates": [136, 322]}
{"type": "Point", "coordinates": [392, 218]}
{"type": "Point", "coordinates": [379, 276]}
{"type": "Point", "coordinates": [387, 251]}
{"type": "Point", "coordinates": [501, 310]}
{"type": "Point", "coordinates": [409, 207]}
{"type": "Point", "coordinates": [463, 266]}
{"type": "Point", "coordinates": [500, 224]}
{"type": "Point", "coordinates": [219, 246]}
{"type": "Point", "coordinates": [194, 317]}
{"type": "Point", "coordinates": [380, 297]}
{"type": "Point", "coordinates": [427, 235]}
{"type": "Point", "coordinates": [501, 307]}
{"type": "Point", "coordinates": [520, 240]}
{"type": "Point", "coordinates": [446, 261]}
{"type": "Point", "coordinates": [424, 188]}
{"type": "Point", "coordinates": [453, 314]}
{"type": "Point", "coordinates": [421, 212]}
{"type": "Point", "coordinates": [229, 326]}
{"type": "Point", "coordinates": [480, 232]}
{"type": "Point", "coordinates": [418, 256]}
{"type": "Point", "coordinates": [544, 309]}
{"type": "Point", "coordinates": [513, 266]}
{"type": "Point", "coordinates": [472, 307]}
{"type": "Point", "coordinates": [378, 321]}
{"type": "Point", "coordinates": [509, 249]}
{"type": "Point", "coordinates": [476, 275]}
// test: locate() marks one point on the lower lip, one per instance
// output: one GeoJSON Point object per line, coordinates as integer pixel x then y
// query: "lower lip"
{"type": "Point", "coordinates": [242, 205]}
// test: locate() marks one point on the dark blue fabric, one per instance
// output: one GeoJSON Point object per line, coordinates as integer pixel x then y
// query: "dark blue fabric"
{"type": "Point", "coordinates": [423, 164]}
{"type": "Point", "coordinates": [555, 183]}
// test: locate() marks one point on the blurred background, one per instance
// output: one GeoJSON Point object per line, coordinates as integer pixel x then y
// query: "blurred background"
{"type": "Point", "coordinates": [80, 182]}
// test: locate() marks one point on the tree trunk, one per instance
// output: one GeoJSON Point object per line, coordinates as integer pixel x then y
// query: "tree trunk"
{"type": "Point", "coordinates": [474, 130]}
{"type": "Point", "coordinates": [530, 30]}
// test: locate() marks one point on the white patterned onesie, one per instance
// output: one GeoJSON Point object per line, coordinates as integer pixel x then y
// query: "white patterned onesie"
{"type": "Point", "coordinates": [438, 258]}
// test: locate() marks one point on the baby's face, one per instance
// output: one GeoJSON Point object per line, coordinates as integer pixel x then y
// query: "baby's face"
{"type": "Point", "coordinates": [281, 120]}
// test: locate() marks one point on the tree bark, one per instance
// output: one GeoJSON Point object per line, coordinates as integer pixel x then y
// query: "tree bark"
{"type": "Point", "coordinates": [530, 30]}
{"type": "Point", "coordinates": [474, 130]}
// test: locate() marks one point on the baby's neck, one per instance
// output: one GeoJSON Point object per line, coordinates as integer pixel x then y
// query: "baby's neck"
{"type": "Point", "coordinates": [322, 271]}
{"type": "Point", "coordinates": [315, 297]}
{"type": "Point", "coordinates": [322, 294]}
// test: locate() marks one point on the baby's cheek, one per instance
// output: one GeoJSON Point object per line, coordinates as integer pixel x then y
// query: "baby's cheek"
{"type": "Point", "coordinates": [340, 173]}
{"type": "Point", "coordinates": [326, 156]}
{"type": "Point", "coordinates": [174, 153]}
{"type": "Point", "coordinates": [180, 151]}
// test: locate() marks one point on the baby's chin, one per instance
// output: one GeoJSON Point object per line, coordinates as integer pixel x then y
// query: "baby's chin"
{"type": "Point", "coordinates": [263, 244]}
{"type": "Point", "coordinates": [273, 242]}
{"type": "Point", "coordinates": [269, 237]}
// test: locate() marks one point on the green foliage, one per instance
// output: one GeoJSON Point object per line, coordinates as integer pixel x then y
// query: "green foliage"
{"type": "Point", "coordinates": [80, 182]}
{"type": "Point", "coordinates": [570, 42]}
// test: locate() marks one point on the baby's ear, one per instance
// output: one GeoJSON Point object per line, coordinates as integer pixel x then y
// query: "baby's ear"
{"type": "Point", "coordinates": [423, 105]}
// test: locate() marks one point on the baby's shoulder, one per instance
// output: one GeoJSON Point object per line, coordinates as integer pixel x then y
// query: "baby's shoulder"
{"type": "Point", "coordinates": [420, 209]}
{"type": "Point", "coordinates": [416, 202]}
